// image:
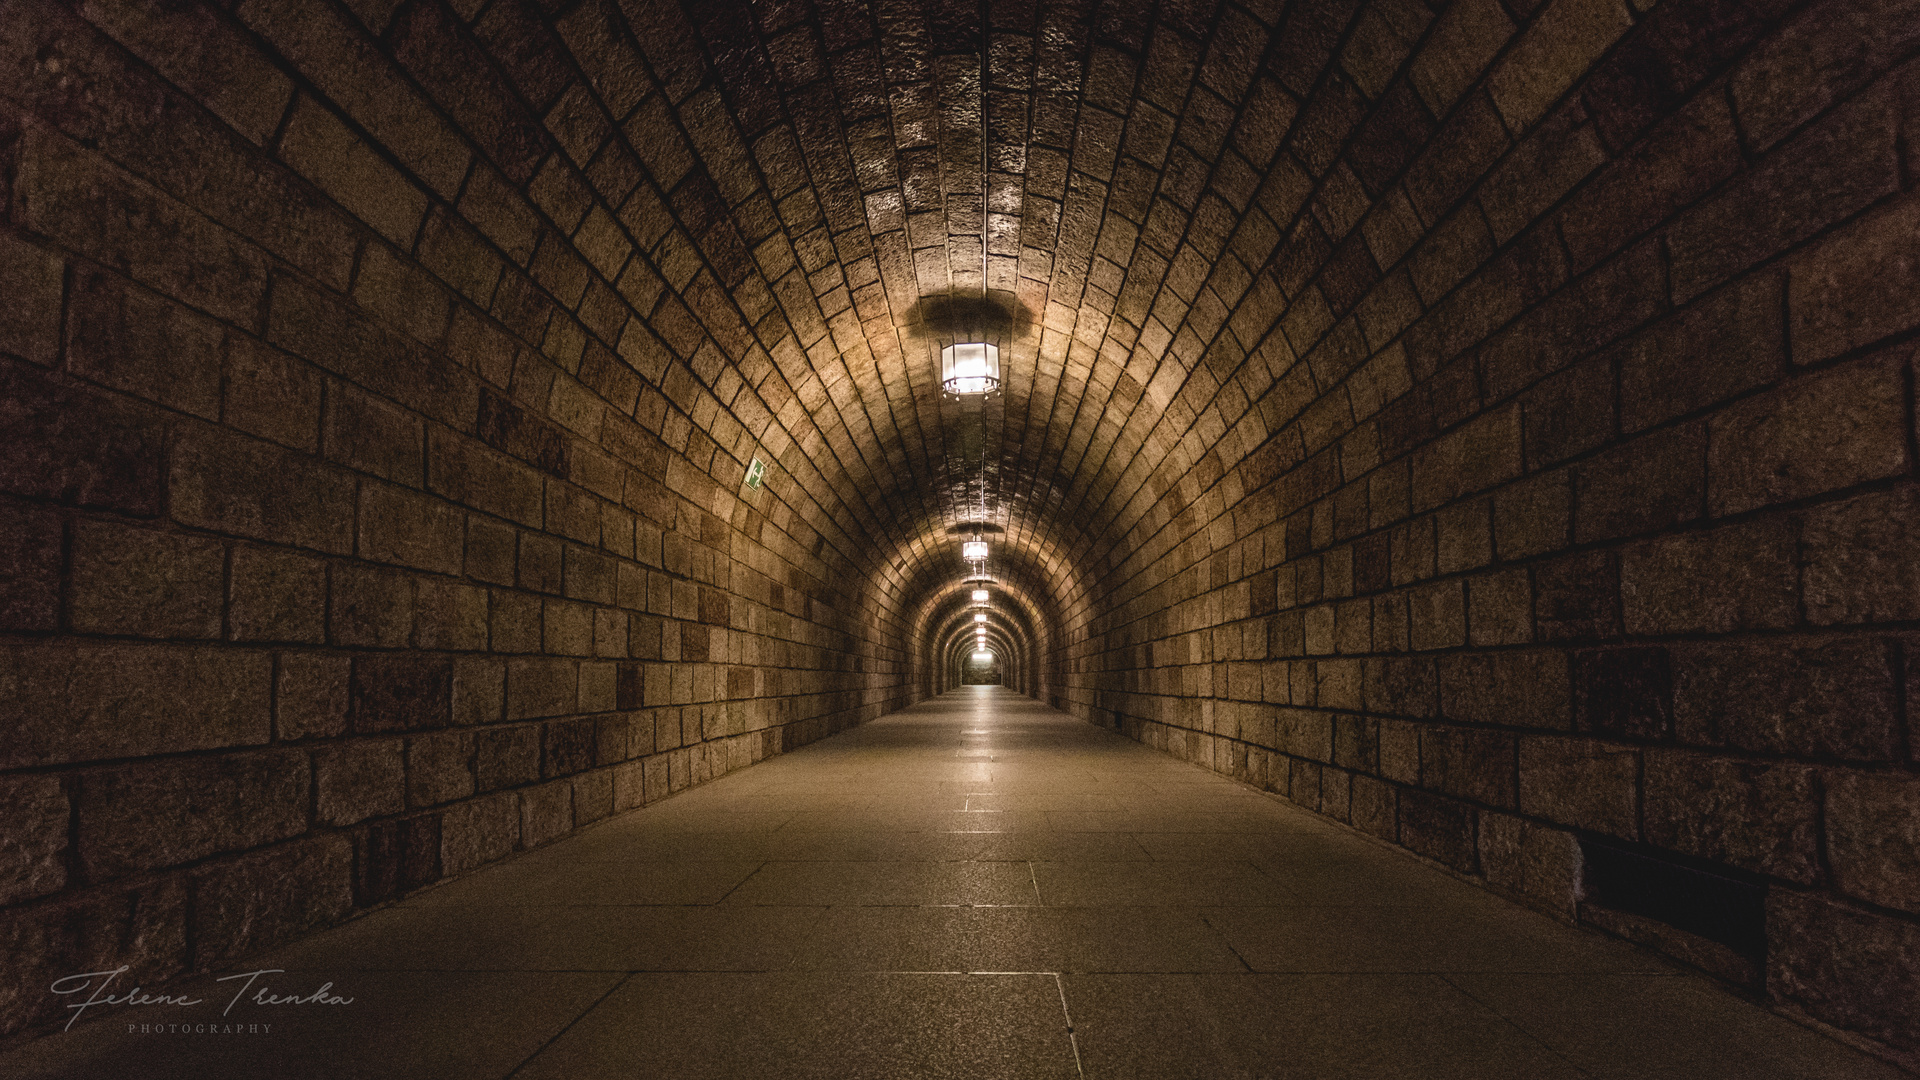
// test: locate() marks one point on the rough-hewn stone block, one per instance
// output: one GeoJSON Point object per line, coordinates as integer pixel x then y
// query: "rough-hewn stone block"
{"type": "Point", "coordinates": [1654, 482]}
{"type": "Point", "coordinates": [1464, 39]}
{"type": "Point", "coordinates": [1540, 864]}
{"type": "Point", "coordinates": [232, 484]}
{"type": "Point", "coordinates": [1624, 693]}
{"type": "Point", "coordinates": [1469, 763]}
{"type": "Point", "coordinates": [30, 325]}
{"type": "Point", "coordinates": [1582, 783]}
{"type": "Point", "coordinates": [1437, 827]}
{"type": "Point", "coordinates": [1873, 837]}
{"type": "Point", "coordinates": [319, 147]}
{"type": "Point", "coordinates": [149, 815]}
{"type": "Point", "coordinates": [88, 702]}
{"type": "Point", "coordinates": [1555, 51]}
{"type": "Point", "coordinates": [546, 812]}
{"type": "Point", "coordinates": [1754, 815]}
{"type": "Point", "coordinates": [78, 197]}
{"type": "Point", "coordinates": [203, 54]}
{"type": "Point", "coordinates": [439, 767]}
{"type": "Point", "coordinates": [1861, 566]}
{"type": "Point", "coordinates": [1730, 341]}
{"type": "Point", "coordinates": [410, 529]}
{"type": "Point", "coordinates": [127, 338]}
{"type": "Point", "coordinates": [479, 690]}
{"type": "Point", "coordinates": [541, 687]}
{"type": "Point", "coordinates": [276, 596]}
{"type": "Point", "coordinates": [479, 831]}
{"type": "Point", "coordinates": [1810, 698]}
{"type": "Point", "coordinates": [357, 780]}
{"type": "Point", "coordinates": [78, 446]}
{"type": "Point", "coordinates": [1825, 52]}
{"type": "Point", "coordinates": [312, 695]}
{"type": "Point", "coordinates": [145, 583]}
{"type": "Point", "coordinates": [370, 607]}
{"type": "Point", "coordinates": [1521, 688]}
{"type": "Point", "coordinates": [31, 540]}
{"type": "Point", "coordinates": [1843, 427]}
{"type": "Point", "coordinates": [1736, 577]}
{"type": "Point", "coordinates": [373, 435]}
{"type": "Point", "coordinates": [143, 927]}
{"type": "Point", "coordinates": [271, 395]}
{"type": "Point", "coordinates": [395, 857]}
{"type": "Point", "coordinates": [33, 848]}
{"type": "Point", "coordinates": [1854, 969]}
{"type": "Point", "coordinates": [1840, 166]}
{"type": "Point", "coordinates": [506, 756]}
{"type": "Point", "coordinates": [1478, 456]}
{"type": "Point", "coordinates": [401, 692]}
{"type": "Point", "coordinates": [1857, 286]}
{"type": "Point", "coordinates": [1402, 686]}
{"type": "Point", "coordinates": [260, 900]}
{"type": "Point", "coordinates": [327, 49]}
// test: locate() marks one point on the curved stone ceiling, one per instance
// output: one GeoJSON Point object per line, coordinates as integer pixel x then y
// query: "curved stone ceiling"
{"type": "Point", "coordinates": [847, 219]}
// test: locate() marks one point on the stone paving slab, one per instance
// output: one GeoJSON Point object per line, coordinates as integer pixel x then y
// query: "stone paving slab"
{"type": "Point", "coordinates": [817, 916]}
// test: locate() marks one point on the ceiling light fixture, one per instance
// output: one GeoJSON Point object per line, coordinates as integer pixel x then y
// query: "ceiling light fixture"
{"type": "Point", "coordinates": [970, 369]}
{"type": "Point", "coordinates": [979, 596]}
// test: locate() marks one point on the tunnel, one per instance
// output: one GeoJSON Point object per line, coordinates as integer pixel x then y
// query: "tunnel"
{"type": "Point", "coordinates": [436, 430]}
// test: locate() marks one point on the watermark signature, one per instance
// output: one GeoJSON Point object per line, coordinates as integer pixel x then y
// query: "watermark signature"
{"type": "Point", "coordinates": [98, 988]}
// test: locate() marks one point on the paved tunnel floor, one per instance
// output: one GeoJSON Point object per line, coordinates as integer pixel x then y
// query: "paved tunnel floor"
{"type": "Point", "coordinates": [976, 887]}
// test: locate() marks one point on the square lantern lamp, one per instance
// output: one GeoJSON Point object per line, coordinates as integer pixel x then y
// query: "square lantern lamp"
{"type": "Point", "coordinates": [974, 550]}
{"type": "Point", "coordinates": [979, 596]}
{"type": "Point", "coordinates": [980, 617]}
{"type": "Point", "coordinates": [970, 369]}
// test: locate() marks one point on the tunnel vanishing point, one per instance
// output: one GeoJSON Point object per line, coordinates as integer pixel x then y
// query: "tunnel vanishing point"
{"type": "Point", "coordinates": [429, 427]}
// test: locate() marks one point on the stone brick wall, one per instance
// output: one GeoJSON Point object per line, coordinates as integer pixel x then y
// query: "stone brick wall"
{"type": "Point", "coordinates": [1488, 423]}
{"type": "Point", "coordinates": [1560, 481]}
{"type": "Point", "coordinates": [372, 444]}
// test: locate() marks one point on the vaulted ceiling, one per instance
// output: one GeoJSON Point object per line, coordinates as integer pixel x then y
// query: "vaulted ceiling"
{"type": "Point", "coordinates": [817, 186]}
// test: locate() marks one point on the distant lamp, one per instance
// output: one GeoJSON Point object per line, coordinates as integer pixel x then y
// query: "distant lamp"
{"type": "Point", "coordinates": [974, 550]}
{"type": "Point", "coordinates": [970, 369]}
{"type": "Point", "coordinates": [979, 596]}
{"type": "Point", "coordinates": [980, 617]}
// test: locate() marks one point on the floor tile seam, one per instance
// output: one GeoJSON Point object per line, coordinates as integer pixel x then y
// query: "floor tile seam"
{"type": "Point", "coordinates": [569, 1025]}
{"type": "Point", "coordinates": [1049, 906]}
{"type": "Point", "coordinates": [1073, 1038]}
{"type": "Point", "coordinates": [1226, 941]}
{"type": "Point", "coordinates": [1510, 1022]}
{"type": "Point", "coordinates": [916, 906]}
{"type": "Point", "coordinates": [1064, 970]}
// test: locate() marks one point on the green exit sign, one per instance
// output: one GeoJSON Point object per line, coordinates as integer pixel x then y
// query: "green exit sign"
{"type": "Point", "coordinates": [755, 473]}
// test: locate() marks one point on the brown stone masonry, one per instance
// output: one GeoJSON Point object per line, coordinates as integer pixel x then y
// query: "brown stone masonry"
{"type": "Point", "coordinates": [1488, 423]}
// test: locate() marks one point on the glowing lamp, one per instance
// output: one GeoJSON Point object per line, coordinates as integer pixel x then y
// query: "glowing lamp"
{"type": "Point", "coordinates": [970, 369]}
{"type": "Point", "coordinates": [980, 617]}
{"type": "Point", "coordinates": [979, 596]}
{"type": "Point", "coordinates": [974, 550]}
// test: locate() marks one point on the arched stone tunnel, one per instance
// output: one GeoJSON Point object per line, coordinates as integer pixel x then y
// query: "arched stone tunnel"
{"type": "Point", "coordinates": [1488, 424]}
